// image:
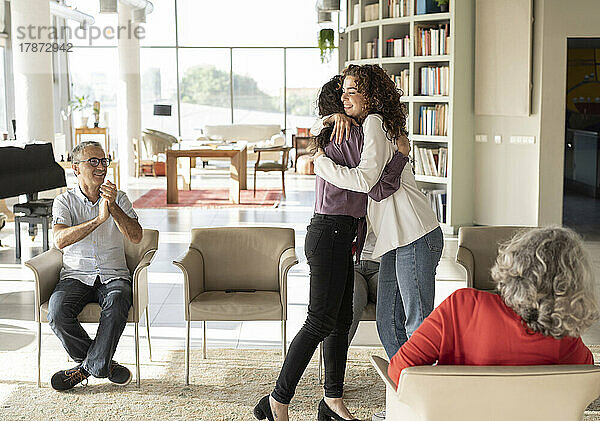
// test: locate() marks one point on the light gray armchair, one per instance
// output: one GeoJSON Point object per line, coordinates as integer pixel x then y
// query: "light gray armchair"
{"type": "Point", "coordinates": [494, 393]}
{"type": "Point", "coordinates": [477, 252]}
{"type": "Point", "coordinates": [236, 274]}
{"type": "Point", "coordinates": [46, 268]}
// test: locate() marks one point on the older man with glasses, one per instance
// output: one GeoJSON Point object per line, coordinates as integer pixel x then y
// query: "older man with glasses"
{"type": "Point", "coordinates": [89, 223]}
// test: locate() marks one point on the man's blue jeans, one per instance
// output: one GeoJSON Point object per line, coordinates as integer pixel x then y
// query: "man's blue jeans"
{"type": "Point", "coordinates": [406, 289]}
{"type": "Point", "coordinates": [68, 299]}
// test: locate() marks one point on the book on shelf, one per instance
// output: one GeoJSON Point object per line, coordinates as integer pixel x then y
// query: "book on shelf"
{"type": "Point", "coordinates": [397, 47]}
{"type": "Point", "coordinates": [433, 120]}
{"type": "Point", "coordinates": [356, 14]}
{"type": "Point", "coordinates": [371, 49]}
{"type": "Point", "coordinates": [432, 39]}
{"type": "Point", "coordinates": [426, 6]}
{"type": "Point", "coordinates": [402, 81]}
{"type": "Point", "coordinates": [435, 80]}
{"type": "Point", "coordinates": [398, 8]}
{"type": "Point", "coordinates": [431, 162]}
{"type": "Point", "coordinates": [355, 48]}
{"type": "Point", "coordinates": [371, 12]}
{"type": "Point", "coordinates": [437, 201]}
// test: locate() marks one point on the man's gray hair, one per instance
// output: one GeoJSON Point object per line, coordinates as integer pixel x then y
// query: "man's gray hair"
{"type": "Point", "coordinates": [545, 276]}
{"type": "Point", "coordinates": [78, 150]}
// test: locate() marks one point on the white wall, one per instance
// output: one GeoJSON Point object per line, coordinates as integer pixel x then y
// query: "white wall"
{"type": "Point", "coordinates": [523, 184]}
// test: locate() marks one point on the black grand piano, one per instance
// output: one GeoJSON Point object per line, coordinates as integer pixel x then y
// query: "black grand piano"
{"type": "Point", "coordinates": [29, 170]}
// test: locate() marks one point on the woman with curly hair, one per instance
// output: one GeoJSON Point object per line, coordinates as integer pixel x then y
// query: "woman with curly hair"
{"type": "Point", "coordinates": [328, 246]}
{"type": "Point", "coordinates": [546, 300]}
{"type": "Point", "coordinates": [409, 239]}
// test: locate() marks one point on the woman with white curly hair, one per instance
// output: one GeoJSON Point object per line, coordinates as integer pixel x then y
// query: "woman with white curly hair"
{"type": "Point", "coordinates": [546, 300]}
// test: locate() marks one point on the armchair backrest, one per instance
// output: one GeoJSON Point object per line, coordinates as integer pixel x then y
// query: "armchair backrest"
{"type": "Point", "coordinates": [477, 252]}
{"type": "Point", "coordinates": [468, 393]}
{"type": "Point", "coordinates": [135, 252]}
{"type": "Point", "coordinates": [242, 257]}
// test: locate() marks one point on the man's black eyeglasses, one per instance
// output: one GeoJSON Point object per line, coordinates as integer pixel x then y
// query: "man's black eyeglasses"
{"type": "Point", "coordinates": [94, 162]}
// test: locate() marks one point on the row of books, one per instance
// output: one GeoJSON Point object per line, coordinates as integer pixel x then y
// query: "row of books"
{"type": "Point", "coordinates": [431, 161]}
{"type": "Point", "coordinates": [401, 81]}
{"type": "Point", "coordinates": [371, 49]}
{"type": "Point", "coordinates": [433, 120]}
{"type": "Point", "coordinates": [432, 40]}
{"type": "Point", "coordinates": [371, 12]}
{"type": "Point", "coordinates": [437, 200]}
{"type": "Point", "coordinates": [435, 80]}
{"type": "Point", "coordinates": [355, 50]}
{"type": "Point", "coordinates": [397, 47]}
{"type": "Point", "coordinates": [398, 8]}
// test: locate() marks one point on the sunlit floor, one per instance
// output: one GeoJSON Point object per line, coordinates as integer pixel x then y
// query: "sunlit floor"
{"type": "Point", "coordinates": [167, 325]}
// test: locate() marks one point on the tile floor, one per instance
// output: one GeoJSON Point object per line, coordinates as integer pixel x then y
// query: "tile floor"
{"type": "Point", "coordinates": [17, 328]}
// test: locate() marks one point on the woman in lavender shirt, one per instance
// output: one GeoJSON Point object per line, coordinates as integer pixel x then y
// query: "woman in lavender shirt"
{"type": "Point", "coordinates": [328, 249]}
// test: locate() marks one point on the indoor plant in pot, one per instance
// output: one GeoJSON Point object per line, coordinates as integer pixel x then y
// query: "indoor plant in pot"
{"type": "Point", "coordinates": [443, 5]}
{"type": "Point", "coordinates": [326, 40]}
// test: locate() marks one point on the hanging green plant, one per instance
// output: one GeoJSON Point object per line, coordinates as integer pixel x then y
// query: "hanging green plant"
{"type": "Point", "coordinates": [326, 40]}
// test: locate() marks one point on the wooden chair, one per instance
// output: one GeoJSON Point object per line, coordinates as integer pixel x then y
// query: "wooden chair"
{"type": "Point", "coordinates": [46, 269]}
{"type": "Point", "coordinates": [273, 165]}
{"type": "Point", "coordinates": [142, 166]}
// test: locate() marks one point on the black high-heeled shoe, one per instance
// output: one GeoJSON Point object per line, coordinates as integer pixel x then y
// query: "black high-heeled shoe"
{"type": "Point", "coordinates": [262, 409]}
{"type": "Point", "coordinates": [326, 413]}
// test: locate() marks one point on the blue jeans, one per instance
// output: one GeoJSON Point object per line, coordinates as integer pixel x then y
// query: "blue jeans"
{"type": "Point", "coordinates": [68, 299]}
{"type": "Point", "coordinates": [406, 289]}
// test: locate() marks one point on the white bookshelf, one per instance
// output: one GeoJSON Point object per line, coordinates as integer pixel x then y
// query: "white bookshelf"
{"type": "Point", "coordinates": [460, 133]}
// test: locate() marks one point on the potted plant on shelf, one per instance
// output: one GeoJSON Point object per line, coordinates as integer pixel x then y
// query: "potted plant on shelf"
{"type": "Point", "coordinates": [443, 5]}
{"type": "Point", "coordinates": [326, 40]}
{"type": "Point", "coordinates": [80, 103]}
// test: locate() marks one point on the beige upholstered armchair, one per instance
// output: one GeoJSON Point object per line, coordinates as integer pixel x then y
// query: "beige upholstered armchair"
{"type": "Point", "coordinates": [477, 252]}
{"type": "Point", "coordinates": [46, 269]}
{"type": "Point", "coordinates": [236, 274]}
{"type": "Point", "coordinates": [494, 393]}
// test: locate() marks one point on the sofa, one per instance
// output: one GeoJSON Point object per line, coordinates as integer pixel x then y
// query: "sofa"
{"type": "Point", "coordinates": [259, 135]}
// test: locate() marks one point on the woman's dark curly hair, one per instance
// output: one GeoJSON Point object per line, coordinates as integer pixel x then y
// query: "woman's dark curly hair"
{"type": "Point", "coordinates": [382, 97]}
{"type": "Point", "coordinates": [328, 102]}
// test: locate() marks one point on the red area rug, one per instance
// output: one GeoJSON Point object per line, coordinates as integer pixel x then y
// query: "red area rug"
{"type": "Point", "coordinates": [213, 198]}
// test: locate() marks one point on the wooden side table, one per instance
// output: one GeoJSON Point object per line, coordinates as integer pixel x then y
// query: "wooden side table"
{"type": "Point", "coordinates": [95, 131]}
{"type": "Point", "coordinates": [300, 145]}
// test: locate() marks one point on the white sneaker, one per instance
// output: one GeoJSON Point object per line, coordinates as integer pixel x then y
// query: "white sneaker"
{"type": "Point", "coordinates": [378, 416]}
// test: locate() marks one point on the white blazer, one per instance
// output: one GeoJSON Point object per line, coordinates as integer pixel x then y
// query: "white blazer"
{"type": "Point", "coordinates": [401, 218]}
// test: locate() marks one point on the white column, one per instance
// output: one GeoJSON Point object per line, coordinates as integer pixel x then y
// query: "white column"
{"type": "Point", "coordinates": [34, 104]}
{"type": "Point", "coordinates": [129, 93]}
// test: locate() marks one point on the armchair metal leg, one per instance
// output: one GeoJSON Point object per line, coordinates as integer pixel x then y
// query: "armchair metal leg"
{"type": "Point", "coordinates": [148, 333]}
{"type": "Point", "coordinates": [39, 349]}
{"type": "Point", "coordinates": [254, 181]}
{"type": "Point", "coordinates": [204, 339]}
{"type": "Point", "coordinates": [321, 363]}
{"type": "Point", "coordinates": [187, 353]}
{"type": "Point", "coordinates": [137, 354]}
{"type": "Point", "coordinates": [283, 339]}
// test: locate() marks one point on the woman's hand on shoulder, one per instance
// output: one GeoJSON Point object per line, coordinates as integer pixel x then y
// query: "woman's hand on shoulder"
{"type": "Point", "coordinates": [341, 126]}
{"type": "Point", "coordinates": [317, 154]}
{"type": "Point", "coordinates": [403, 144]}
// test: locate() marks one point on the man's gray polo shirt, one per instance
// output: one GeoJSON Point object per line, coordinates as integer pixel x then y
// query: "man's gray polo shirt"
{"type": "Point", "coordinates": [102, 252]}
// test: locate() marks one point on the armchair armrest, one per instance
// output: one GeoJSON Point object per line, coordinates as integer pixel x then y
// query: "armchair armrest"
{"type": "Point", "coordinates": [140, 284]}
{"type": "Point", "coordinates": [381, 366]}
{"type": "Point", "coordinates": [286, 261]}
{"type": "Point", "coordinates": [272, 148]}
{"type": "Point", "coordinates": [46, 269]}
{"type": "Point", "coordinates": [192, 266]}
{"type": "Point", "coordinates": [465, 258]}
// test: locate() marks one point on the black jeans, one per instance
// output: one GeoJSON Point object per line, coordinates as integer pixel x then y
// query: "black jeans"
{"type": "Point", "coordinates": [328, 248]}
{"type": "Point", "coordinates": [68, 299]}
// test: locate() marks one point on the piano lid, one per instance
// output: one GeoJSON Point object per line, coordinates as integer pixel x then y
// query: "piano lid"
{"type": "Point", "coordinates": [30, 169]}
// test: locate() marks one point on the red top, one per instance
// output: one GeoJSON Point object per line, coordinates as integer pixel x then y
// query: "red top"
{"type": "Point", "coordinates": [474, 327]}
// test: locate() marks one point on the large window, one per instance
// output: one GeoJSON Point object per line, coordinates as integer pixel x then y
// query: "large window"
{"type": "Point", "coordinates": [232, 62]}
